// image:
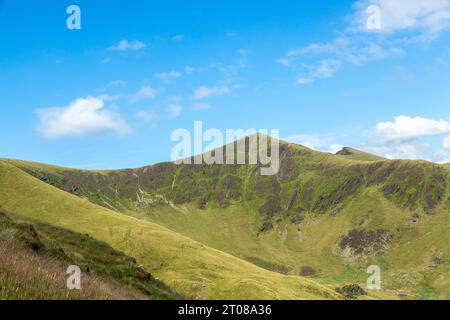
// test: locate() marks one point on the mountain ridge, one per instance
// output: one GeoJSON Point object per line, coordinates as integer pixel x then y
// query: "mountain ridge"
{"type": "Point", "coordinates": [324, 213]}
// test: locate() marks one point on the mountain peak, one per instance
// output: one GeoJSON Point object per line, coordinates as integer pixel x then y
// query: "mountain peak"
{"type": "Point", "coordinates": [355, 154]}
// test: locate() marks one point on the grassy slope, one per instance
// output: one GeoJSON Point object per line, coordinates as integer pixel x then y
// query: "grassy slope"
{"type": "Point", "coordinates": [186, 265]}
{"type": "Point", "coordinates": [315, 245]}
{"type": "Point", "coordinates": [26, 273]}
{"type": "Point", "coordinates": [62, 248]}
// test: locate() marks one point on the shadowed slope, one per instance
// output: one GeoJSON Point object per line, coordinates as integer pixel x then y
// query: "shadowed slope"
{"type": "Point", "coordinates": [56, 249]}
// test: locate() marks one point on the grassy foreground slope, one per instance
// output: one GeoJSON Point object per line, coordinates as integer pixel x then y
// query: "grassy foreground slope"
{"type": "Point", "coordinates": [35, 256]}
{"type": "Point", "coordinates": [324, 216]}
{"type": "Point", "coordinates": [185, 265]}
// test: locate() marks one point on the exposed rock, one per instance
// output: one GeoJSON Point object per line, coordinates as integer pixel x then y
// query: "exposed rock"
{"type": "Point", "coordinates": [351, 291]}
{"type": "Point", "coordinates": [307, 271]}
{"type": "Point", "coordinates": [438, 260]}
{"type": "Point", "coordinates": [365, 243]}
{"type": "Point", "coordinates": [270, 207]}
{"type": "Point", "coordinates": [297, 220]}
{"type": "Point", "coordinates": [344, 152]}
{"type": "Point", "coordinates": [415, 218]}
{"type": "Point", "coordinates": [267, 226]}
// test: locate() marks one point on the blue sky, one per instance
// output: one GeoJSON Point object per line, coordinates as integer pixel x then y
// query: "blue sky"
{"type": "Point", "coordinates": [110, 95]}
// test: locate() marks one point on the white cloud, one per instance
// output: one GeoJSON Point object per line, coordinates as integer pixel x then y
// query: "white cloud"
{"type": "Point", "coordinates": [446, 143]}
{"type": "Point", "coordinates": [144, 93]}
{"type": "Point", "coordinates": [178, 38]}
{"type": "Point", "coordinates": [426, 16]}
{"type": "Point", "coordinates": [201, 106]}
{"type": "Point", "coordinates": [283, 61]}
{"type": "Point", "coordinates": [83, 116]}
{"type": "Point", "coordinates": [410, 149]}
{"type": "Point", "coordinates": [322, 143]}
{"type": "Point", "coordinates": [167, 76]}
{"type": "Point", "coordinates": [411, 138]}
{"type": "Point", "coordinates": [205, 92]}
{"type": "Point", "coordinates": [175, 110]}
{"type": "Point", "coordinates": [125, 45]}
{"type": "Point", "coordinates": [405, 128]}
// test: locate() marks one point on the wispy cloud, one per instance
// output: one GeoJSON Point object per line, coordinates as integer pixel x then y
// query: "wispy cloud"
{"type": "Point", "coordinates": [331, 55]}
{"type": "Point", "coordinates": [402, 23]}
{"type": "Point", "coordinates": [189, 69]}
{"type": "Point", "coordinates": [117, 83]}
{"type": "Point", "coordinates": [108, 97]}
{"type": "Point", "coordinates": [354, 50]}
{"type": "Point", "coordinates": [283, 61]}
{"type": "Point", "coordinates": [145, 93]}
{"type": "Point", "coordinates": [175, 110]}
{"type": "Point", "coordinates": [319, 142]}
{"type": "Point", "coordinates": [125, 45]}
{"type": "Point", "coordinates": [244, 52]}
{"type": "Point", "coordinates": [167, 76]}
{"type": "Point", "coordinates": [324, 69]}
{"type": "Point", "coordinates": [302, 80]}
{"type": "Point", "coordinates": [178, 38]}
{"type": "Point", "coordinates": [81, 117]}
{"type": "Point", "coordinates": [206, 92]}
{"type": "Point", "coordinates": [201, 106]}
{"type": "Point", "coordinates": [147, 116]}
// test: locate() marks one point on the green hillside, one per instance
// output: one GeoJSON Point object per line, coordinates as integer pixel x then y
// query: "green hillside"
{"type": "Point", "coordinates": [34, 254]}
{"type": "Point", "coordinates": [188, 266]}
{"type": "Point", "coordinates": [326, 217]}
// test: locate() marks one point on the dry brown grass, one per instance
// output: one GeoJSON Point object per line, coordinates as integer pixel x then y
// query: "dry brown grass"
{"type": "Point", "coordinates": [27, 275]}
